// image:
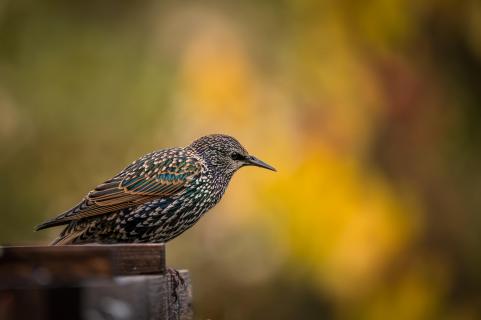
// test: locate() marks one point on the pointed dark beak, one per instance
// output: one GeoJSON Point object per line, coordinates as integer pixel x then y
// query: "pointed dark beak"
{"type": "Point", "coordinates": [253, 161]}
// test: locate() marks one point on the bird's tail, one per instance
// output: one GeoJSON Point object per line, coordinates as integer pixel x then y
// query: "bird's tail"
{"type": "Point", "coordinates": [63, 240]}
{"type": "Point", "coordinates": [69, 235]}
{"type": "Point", "coordinates": [49, 223]}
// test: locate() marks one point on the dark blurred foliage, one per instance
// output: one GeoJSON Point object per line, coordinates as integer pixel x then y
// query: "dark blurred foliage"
{"type": "Point", "coordinates": [369, 109]}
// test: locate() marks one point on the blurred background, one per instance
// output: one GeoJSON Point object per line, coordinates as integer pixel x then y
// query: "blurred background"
{"type": "Point", "coordinates": [370, 111]}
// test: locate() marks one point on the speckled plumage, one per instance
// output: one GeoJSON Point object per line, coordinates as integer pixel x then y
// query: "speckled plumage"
{"type": "Point", "coordinates": [158, 196]}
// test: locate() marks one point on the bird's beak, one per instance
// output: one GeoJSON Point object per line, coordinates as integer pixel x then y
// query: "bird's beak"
{"type": "Point", "coordinates": [253, 161]}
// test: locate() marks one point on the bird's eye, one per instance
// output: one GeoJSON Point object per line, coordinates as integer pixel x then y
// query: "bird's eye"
{"type": "Point", "coordinates": [237, 156]}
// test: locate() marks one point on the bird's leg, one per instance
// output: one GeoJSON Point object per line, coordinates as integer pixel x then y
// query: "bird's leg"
{"type": "Point", "coordinates": [177, 280]}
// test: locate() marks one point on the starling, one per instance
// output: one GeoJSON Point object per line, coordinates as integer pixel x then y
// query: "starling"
{"type": "Point", "coordinates": [158, 196]}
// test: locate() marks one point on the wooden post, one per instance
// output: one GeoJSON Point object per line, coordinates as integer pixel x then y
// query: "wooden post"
{"type": "Point", "coordinates": [92, 282]}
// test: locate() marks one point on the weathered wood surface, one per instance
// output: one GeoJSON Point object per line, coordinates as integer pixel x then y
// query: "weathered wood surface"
{"type": "Point", "coordinates": [180, 304]}
{"type": "Point", "coordinates": [139, 297]}
{"type": "Point", "coordinates": [92, 282]}
{"type": "Point", "coordinates": [53, 264]}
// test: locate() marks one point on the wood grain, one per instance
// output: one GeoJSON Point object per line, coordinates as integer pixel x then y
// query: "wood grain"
{"type": "Point", "coordinates": [60, 264]}
{"type": "Point", "coordinates": [92, 282]}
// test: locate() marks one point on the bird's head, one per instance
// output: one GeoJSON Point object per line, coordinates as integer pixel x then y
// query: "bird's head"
{"type": "Point", "coordinates": [225, 153]}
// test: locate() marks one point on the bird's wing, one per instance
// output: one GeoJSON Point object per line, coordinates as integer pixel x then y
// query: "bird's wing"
{"type": "Point", "coordinates": [159, 174]}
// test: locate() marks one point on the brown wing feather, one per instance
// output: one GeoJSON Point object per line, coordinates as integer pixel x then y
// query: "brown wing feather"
{"type": "Point", "coordinates": [147, 179]}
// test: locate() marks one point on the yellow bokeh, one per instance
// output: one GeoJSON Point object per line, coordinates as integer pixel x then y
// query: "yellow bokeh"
{"type": "Point", "coordinates": [369, 111]}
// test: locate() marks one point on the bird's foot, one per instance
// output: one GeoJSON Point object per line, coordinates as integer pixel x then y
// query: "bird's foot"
{"type": "Point", "coordinates": [177, 281]}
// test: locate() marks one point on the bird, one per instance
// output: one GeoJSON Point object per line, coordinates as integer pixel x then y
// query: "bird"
{"type": "Point", "coordinates": [158, 196]}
